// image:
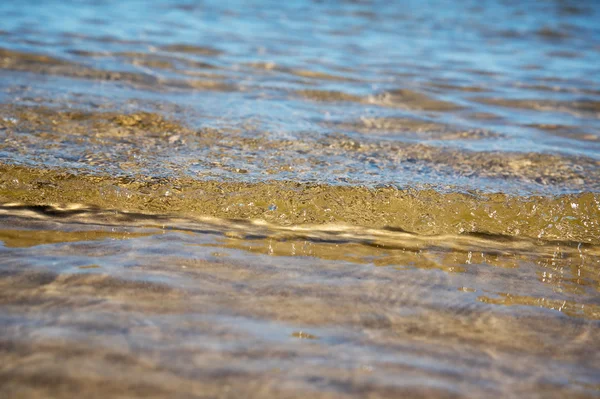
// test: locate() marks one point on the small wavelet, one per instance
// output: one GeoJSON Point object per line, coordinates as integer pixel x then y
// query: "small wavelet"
{"type": "Point", "coordinates": [299, 199]}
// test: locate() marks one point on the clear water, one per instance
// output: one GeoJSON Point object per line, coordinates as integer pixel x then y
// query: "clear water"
{"type": "Point", "coordinates": [325, 199]}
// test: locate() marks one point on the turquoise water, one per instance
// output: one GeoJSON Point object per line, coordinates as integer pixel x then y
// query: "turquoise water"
{"type": "Point", "coordinates": [516, 77]}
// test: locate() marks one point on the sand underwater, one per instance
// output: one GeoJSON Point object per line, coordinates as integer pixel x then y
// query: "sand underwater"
{"type": "Point", "coordinates": [328, 199]}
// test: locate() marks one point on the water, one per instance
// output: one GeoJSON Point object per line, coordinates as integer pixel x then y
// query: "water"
{"type": "Point", "coordinates": [291, 199]}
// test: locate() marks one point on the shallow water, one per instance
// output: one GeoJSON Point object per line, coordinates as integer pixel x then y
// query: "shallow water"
{"type": "Point", "coordinates": [291, 199]}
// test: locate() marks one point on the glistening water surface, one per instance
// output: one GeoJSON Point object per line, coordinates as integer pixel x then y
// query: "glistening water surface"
{"type": "Point", "coordinates": [299, 199]}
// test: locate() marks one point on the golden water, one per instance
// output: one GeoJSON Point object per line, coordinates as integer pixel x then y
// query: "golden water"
{"type": "Point", "coordinates": [299, 199]}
